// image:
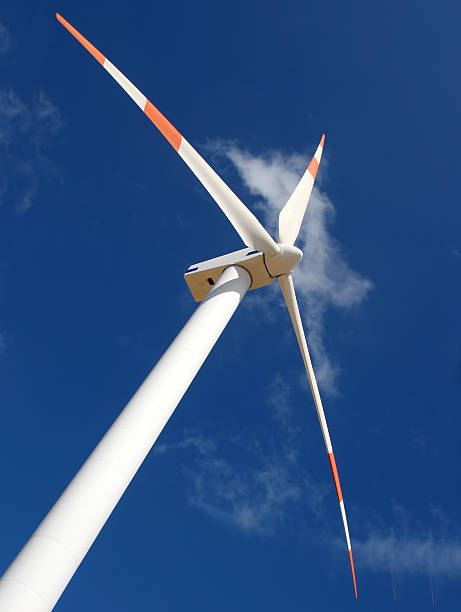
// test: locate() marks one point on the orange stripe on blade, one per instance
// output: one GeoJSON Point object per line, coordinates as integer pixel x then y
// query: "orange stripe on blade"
{"type": "Point", "coordinates": [81, 39]}
{"type": "Point", "coordinates": [322, 140]}
{"type": "Point", "coordinates": [353, 572]}
{"type": "Point", "coordinates": [331, 457]}
{"type": "Point", "coordinates": [162, 123]}
{"type": "Point", "coordinates": [313, 167]}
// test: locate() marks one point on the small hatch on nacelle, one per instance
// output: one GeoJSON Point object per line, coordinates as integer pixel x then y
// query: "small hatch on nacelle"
{"type": "Point", "coordinates": [204, 275]}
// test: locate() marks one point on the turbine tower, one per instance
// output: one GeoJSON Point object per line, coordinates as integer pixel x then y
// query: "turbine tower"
{"type": "Point", "coordinates": [41, 571]}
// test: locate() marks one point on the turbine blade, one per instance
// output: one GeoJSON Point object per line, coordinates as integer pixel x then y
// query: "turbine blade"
{"type": "Point", "coordinates": [244, 222]}
{"type": "Point", "coordinates": [286, 284]}
{"type": "Point", "coordinates": [292, 214]}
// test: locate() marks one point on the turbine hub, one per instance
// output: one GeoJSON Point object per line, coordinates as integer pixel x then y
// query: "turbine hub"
{"type": "Point", "coordinates": [284, 262]}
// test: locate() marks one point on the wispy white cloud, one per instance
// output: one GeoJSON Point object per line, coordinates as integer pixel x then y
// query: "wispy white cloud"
{"type": "Point", "coordinates": [324, 278]}
{"type": "Point", "coordinates": [49, 119]}
{"type": "Point", "coordinates": [254, 500]}
{"type": "Point", "coordinates": [258, 485]}
{"type": "Point", "coordinates": [191, 440]}
{"type": "Point", "coordinates": [14, 117]}
{"type": "Point", "coordinates": [6, 40]}
{"type": "Point", "coordinates": [411, 555]}
{"type": "Point", "coordinates": [408, 548]}
{"type": "Point", "coordinates": [25, 132]}
{"type": "Point", "coordinates": [252, 484]}
{"type": "Point", "coordinates": [279, 401]}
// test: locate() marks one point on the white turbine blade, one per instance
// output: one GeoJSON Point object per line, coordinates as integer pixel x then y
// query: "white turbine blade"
{"type": "Point", "coordinates": [292, 214]}
{"type": "Point", "coordinates": [244, 222]}
{"type": "Point", "coordinates": [286, 283]}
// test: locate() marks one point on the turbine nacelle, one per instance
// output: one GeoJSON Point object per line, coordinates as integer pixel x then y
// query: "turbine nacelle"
{"type": "Point", "coordinates": [200, 277]}
{"type": "Point", "coordinates": [262, 268]}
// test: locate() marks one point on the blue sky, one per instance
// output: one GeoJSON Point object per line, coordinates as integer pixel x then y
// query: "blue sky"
{"type": "Point", "coordinates": [96, 208]}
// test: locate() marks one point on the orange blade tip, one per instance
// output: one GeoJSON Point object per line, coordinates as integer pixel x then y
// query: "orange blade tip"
{"type": "Point", "coordinates": [82, 40]}
{"type": "Point", "coordinates": [322, 140]}
{"type": "Point", "coordinates": [353, 572]}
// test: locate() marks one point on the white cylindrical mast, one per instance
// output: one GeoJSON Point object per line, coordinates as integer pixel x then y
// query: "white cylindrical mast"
{"type": "Point", "coordinates": [41, 571]}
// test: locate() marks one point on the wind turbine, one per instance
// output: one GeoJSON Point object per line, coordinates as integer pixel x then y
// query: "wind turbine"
{"type": "Point", "coordinates": [41, 571]}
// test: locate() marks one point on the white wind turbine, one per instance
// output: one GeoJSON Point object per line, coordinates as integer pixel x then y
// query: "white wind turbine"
{"type": "Point", "coordinates": [43, 568]}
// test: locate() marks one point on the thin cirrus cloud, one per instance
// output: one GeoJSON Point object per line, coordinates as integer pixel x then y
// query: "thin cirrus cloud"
{"type": "Point", "coordinates": [26, 129]}
{"type": "Point", "coordinates": [323, 279]}
{"type": "Point", "coordinates": [6, 40]}
{"type": "Point", "coordinates": [25, 132]}
{"type": "Point", "coordinates": [415, 555]}
{"type": "Point", "coordinates": [409, 548]}
{"type": "Point", "coordinates": [254, 484]}
{"type": "Point", "coordinates": [259, 485]}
